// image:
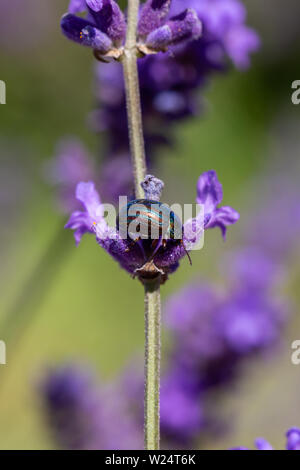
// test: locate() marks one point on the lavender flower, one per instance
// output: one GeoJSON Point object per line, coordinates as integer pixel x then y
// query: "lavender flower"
{"type": "Point", "coordinates": [181, 414]}
{"type": "Point", "coordinates": [224, 22]}
{"type": "Point", "coordinates": [139, 258]}
{"type": "Point", "coordinates": [84, 415]}
{"type": "Point", "coordinates": [213, 332]}
{"type": "Point", "coordinates": [293, 442]}
{"type": "Point", "coordinates": [104, 28]}
{"type": "Point", "coordinates": [158, 33]}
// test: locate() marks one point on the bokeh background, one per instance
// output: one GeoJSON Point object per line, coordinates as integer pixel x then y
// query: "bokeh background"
{"type": "Point", "coordinates": [59, 303]}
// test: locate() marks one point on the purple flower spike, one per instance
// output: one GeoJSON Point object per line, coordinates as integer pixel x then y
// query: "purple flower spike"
{"type": "Point", "coordinates": [183, 27]}
{"type": "Point", "coordinates": [153, 15]}
{"type": "Point", "coordinates": [108, 17]}
{"type": "Point", "coordinates": [293, 439]}
{"type": "Point", "coordinates": [210, 194]}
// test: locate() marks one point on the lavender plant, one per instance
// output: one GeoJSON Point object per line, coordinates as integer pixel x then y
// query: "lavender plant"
{"type": "Point", "coordinates": [169, 85]}
{"type": "Point", "coordinates": [147, 32]}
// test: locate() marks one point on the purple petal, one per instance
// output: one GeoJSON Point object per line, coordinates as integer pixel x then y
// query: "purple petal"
{"type": "Point", "coordinates": [77, 6]}
{"type": "Point", "coordinates": [293, 439]}
{"type": "Point", "coordinates": [160, 38]}
{"type": "Point", "coordinates": [193, 231]}
{"type": "Point", "coordinates": [240, 42]}
{"type": "Point", "coordinates": [152, 15]}
{"type": "Point", "coordinates": [185, 26]}
{"type": "Point", "coordinates": [83, 222]}
{"type": "Point", "coordinates": [87, 194]}
{"type": "Point", "coordinates": [108, 17]}
{"type": "Point", "coordinates": [94, 5]}
{"type": "Point", "coordinates": [209, 191]}
{"type": "Point", "coordinates": [222, 218]}
{"type": "Point", "coordinates": [72, 27]}
{"type": "Point", "coordinates": [94, 38]}
{"type": "Point", "coordinates": [262, 444]}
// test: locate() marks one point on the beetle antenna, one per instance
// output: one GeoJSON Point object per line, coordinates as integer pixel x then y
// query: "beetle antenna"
{"type": "Point", "coordinates": [188, 255]}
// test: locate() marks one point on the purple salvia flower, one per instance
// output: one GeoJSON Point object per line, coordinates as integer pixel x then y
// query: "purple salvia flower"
{"type": "Point", "coordinates": [152, 16]}
{"type": "Point", "coordinates": [210, 194]}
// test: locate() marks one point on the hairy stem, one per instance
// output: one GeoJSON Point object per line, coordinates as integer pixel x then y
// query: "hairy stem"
{"type": "Point", "coordinates": [152, 365]}
{"type": "Point", "coordinates": [133, 102]}
{"type": "Point", "coordinates": [152, 290]}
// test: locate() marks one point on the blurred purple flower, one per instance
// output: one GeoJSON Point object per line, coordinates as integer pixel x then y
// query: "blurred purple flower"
{"type": "Point", "coordinates": [224, 21]}
{"type": "Point", "coordinates": [293, 439]}
{"type": "Point", "coordinates": [293, 442]}
{"type": "Point", "coordinates": [212, 333]}
{"type": "Point", "coordinates": [181, 414]}
{"type": "Point", "coordinates": [252, 269]}
{"type": "Point", "coordinates": [71, 163]}
{"type": "Point", "coordinates": [84, 415]}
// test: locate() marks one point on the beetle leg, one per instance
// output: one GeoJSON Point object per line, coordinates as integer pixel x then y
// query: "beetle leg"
{"type": "Point", "coordinates": [132, 243]}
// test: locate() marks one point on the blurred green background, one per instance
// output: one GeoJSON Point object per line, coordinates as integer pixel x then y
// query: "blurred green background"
{"type": "Point", "coordinates": [86, 307]}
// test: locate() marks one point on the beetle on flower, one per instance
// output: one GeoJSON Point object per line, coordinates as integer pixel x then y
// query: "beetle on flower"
{"type": "Point", "coordinates": [142, 258]}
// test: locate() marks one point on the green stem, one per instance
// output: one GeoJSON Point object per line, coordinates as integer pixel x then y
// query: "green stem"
{"type": "Point", "coordinates": [152, 365]}
{"type": "Point", "coordinates": [152, 290]}
{"type": "Point", "coordinates": [133, 101]}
